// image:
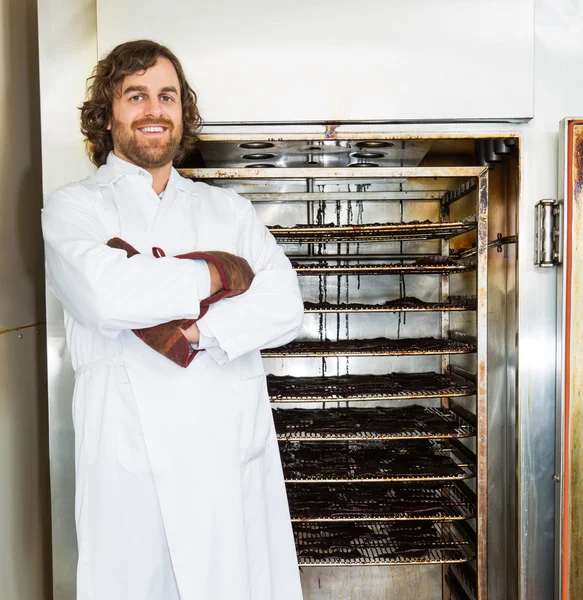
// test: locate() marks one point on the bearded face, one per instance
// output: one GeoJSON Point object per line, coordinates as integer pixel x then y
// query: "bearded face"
{"type": "Point", "coordinates": [146, 126]}
{"type": "Point", "coordinates": [149, 143]}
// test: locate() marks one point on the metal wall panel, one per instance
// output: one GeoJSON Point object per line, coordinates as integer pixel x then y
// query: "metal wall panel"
{"type": "Point", "coordinates": [21, 268]}
{"type": "Point", "coordinates": [24, 505]}
{"type": "Point", "coordinates": [24, 509]}
{"type": "Point", "coordinates": [340, 61]}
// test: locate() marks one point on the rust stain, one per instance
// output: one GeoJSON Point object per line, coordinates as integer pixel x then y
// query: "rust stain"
{"type": "Point", "coordinates": [576, 394]}
{"type": "Point", "coordinates": [577, 163]}
{"type": "Point", "coordinates": [331, 132]}
{"type": "Point", "coordinates": [22, 327]}
{"type": "Point", "coordinates": [572, 538]}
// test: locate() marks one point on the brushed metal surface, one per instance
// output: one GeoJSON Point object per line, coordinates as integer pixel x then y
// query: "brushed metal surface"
{"type": "Point", "coordinates": [24, 508]}
{"type": "Point", "coordinates": [22, 262]}
{"type": "Point", "coordinates": [377, 583]}
{"type": "Point", "coordinates": [340, 61]}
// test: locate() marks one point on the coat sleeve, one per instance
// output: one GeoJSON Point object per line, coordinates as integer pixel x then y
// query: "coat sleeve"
{"type": "Point", "coordinates": [99, 286]}
{"type": "Point", "coordinates": [270, 313]}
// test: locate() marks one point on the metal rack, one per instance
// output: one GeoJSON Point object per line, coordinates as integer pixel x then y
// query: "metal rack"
{"type": "Point", "coordinates": [375, 232]}
{"type": "Point", "coordinates": [379, 423]}
{"type": "Point", "coordinates": [407, 304]}
{"type": "Point", "coordinates": [353, 388]}
{"type": "Point", "coordinates": [379, 269]}
{"type": "Point", "coordinates": [410, 460]}
{"type": "Point", "coordinates": [372, 347]}
{"type": "Point", "coordinates": [380, 543]}
{"type": "Point", "coordinates": [369, 502]}
{"type": "Point", "coordinates": [416, 474]}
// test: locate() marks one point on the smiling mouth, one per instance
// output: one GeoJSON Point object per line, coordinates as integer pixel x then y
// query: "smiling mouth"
{"type": "Point", "coordinates": [153, 129]}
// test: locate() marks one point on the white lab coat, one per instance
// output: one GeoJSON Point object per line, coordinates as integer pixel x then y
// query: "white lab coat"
{"type": "Point", "coordinates": [179, 485]}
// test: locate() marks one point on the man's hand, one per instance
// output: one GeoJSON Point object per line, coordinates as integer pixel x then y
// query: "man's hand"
{"type": "Point", "coordinates": [192, 334]}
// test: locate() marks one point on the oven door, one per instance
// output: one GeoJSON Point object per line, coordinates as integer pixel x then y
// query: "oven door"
{"type": "Point", "coordinates": [569, 516]}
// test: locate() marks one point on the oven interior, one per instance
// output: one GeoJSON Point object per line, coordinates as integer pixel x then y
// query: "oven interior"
{"type": "Point", "coordinates": [385, 415]}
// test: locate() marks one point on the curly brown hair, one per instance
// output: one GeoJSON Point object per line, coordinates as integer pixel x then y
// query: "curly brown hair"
{"type": "Point", "coordinates": [96, 111]}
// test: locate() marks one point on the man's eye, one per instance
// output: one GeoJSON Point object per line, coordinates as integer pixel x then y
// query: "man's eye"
{"type": "Point", "coordinates": [167, 98]}
{"type": "Point", "coordinates": [136, 98]}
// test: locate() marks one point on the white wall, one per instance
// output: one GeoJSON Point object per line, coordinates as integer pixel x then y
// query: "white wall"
{"type": "Point", "coordinates": [25, 570]}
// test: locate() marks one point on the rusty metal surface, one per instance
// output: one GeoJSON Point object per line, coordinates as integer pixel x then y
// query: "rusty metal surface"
{"type": "Point", "coordinates": [463, 190]}
{"type": "Point", "coordinates": [371, 232]}
{"type": "Point", "coordinates": [482, 388]}
{"type": "Point", "coordinates": [213, 133]}
{"type": "Point", "coordinates": [410, 195]}
{"type": "Point", "coordinates": [451, 304]}
{"type": "Point", "coordinates": [378, 269]}
{"type": "Point", "coordinates": [332, 173]}
{"type": "Point", "coordinates": [572, 476]}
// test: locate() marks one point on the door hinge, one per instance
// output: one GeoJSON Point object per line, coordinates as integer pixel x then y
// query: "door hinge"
{"type": "Point", "coordinates": [548, 238]}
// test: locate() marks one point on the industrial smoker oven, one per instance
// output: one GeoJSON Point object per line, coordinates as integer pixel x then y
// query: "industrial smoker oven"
{"type": "Point", "coordinates": [459, 77]}
{"type": "Point", "coordinates": [381, 405]}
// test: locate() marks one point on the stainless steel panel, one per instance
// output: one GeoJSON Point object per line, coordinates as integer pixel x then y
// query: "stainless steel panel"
{"type": "Point", "coordinates": [24, 508]}
{"type": "Point", "coordinates": [501, 386]}
{"type": "Point", "coordinates": [62, 453]}
{"type": "Point", "coordinates": [366, 583]}
{"type": "Point", "coordinates": [341, 61]}
{"type": "Point", "coordinates": [22, 263]}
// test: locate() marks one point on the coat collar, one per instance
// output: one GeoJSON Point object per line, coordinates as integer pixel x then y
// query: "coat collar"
{"type": "Point", "coordinates": [115, 168]}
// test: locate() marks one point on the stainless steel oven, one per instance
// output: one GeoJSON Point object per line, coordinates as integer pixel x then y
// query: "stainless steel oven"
{"type": "Point", "coordinates": [382, 405]}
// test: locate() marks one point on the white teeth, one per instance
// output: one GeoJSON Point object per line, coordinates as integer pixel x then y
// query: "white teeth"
{"type": "Point", "coordinates": [153, 129]}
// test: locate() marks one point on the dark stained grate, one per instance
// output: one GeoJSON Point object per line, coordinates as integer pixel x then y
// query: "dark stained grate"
{"type": "Point", "coordinates": [398, 501]}
{"type": "Point", "coordinates": [324, 268]}
{"type": "Point", "coordinates": [371, 347]}
{"type": "Point", "coordinates": [371, 232]}
{"type": "Point", "coordinates": [406, 304]}
{"type": "Point", "coordinates": [379, 543]}
{"type": "Point", "coordinates": [379, 423]}
{"type": "Point", "coordinates": [410, 460]}
{"type": "Point", "coordinates": [395, 386]}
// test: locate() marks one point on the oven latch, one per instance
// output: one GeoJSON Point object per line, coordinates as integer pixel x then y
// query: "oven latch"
{"type": "Point", "coordinates": [548, 233]}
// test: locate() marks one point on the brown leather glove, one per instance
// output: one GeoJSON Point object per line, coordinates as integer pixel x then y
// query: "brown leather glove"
{"type": "Point", "coordinates": [167, 339]}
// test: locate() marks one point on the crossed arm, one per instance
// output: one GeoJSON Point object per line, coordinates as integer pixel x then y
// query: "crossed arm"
{"type": "Point", "coordinates": [108, 293]}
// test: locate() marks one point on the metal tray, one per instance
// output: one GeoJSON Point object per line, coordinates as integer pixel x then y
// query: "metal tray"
{"type": "Point", "coordinates": [378, 269]}
{"type": "Point", "coordinates": [379, 543]}
{"type": "Point", "coordinates": [381, 502]}
{"type": "Point", "coordinates": [370, 347]}
{"type": "Point", "coordinates": [410, 460]}
{"type": "Point", "coordinates": [373, 232]}
{"type": "Point", "coordinates": [393, 386]}
{"type": "Point", "coordinates": [378, 423]}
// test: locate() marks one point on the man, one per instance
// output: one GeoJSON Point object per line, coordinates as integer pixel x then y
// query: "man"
{"type": "Point", "coordinates": [179, 486]}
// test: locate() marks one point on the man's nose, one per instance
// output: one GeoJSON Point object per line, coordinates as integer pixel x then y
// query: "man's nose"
{"type": "Point", "coordinates": [154, 107]}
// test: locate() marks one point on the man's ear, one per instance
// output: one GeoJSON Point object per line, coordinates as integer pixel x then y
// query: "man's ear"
{"type": "Point", "coordinates": [109, 125]}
